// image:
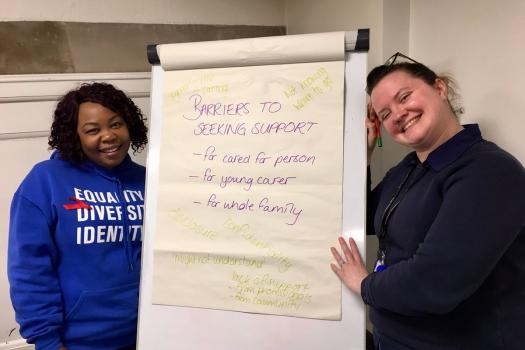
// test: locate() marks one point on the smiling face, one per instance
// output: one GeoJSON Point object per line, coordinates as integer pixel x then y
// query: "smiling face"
{"type": "Point", "coordinates": [413, 112]}
{"type": "Point", "coordinates": [104, 135]}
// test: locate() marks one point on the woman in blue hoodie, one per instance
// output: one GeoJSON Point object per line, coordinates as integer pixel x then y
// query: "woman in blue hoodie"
{"type": "Point", "coordinates": [76, 227]}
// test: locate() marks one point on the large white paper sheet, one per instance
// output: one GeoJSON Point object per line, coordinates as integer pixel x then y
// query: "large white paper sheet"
{"type": "Point", "coordinates": [250, 189]}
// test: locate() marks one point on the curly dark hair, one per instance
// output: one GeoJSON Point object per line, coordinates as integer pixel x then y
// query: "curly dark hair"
{"type": "Point", "coordinates": [64, 136]}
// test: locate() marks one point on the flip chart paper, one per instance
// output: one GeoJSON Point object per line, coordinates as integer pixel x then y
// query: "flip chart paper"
{"type": "Point", "coordinates": [250, 188]}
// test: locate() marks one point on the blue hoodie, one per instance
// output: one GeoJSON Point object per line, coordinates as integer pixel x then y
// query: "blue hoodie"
{"type": "Point", "coordinates": [74, 254]}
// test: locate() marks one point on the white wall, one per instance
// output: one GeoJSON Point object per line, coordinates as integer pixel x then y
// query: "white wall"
{"type": "Point", "coordinates": [232, 12]}
{"type": "Point", "coordinates": [481, 43]}
{"type": "Point", "coordinates": [309, 16]}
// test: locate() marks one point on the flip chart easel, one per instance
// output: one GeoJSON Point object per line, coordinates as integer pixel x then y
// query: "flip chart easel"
{"type": "Point", "coordinates": [177, 327]}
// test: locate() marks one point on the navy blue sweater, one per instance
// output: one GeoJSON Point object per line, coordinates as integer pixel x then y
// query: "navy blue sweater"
{"type": "Point", "coordinates": [455, 250]}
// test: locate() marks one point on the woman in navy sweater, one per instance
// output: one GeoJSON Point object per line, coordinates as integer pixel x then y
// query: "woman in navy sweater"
{"type": "Point", "coordinates": [450, 219]}
{"type": "Point", "coordinates": [76, 225]}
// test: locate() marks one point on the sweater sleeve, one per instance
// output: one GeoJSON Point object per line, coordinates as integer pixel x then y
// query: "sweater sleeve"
{"type": "Point", "coordinates": [481, 215]}
{"type": "Point", "coordinates": [34, 287]}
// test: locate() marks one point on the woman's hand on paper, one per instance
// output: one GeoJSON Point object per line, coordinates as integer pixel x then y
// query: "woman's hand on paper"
{"type": "Point", "coordinates": [350, 269]}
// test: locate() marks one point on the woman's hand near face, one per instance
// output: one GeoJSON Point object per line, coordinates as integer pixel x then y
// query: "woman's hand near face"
{"type": "Point", "coordinates": [370, 123]}
{"type": "Point", "coordinates": [351, 270]}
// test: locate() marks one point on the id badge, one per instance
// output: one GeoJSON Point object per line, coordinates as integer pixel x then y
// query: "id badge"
{"type": "Point", "coordinates": [380, 262]}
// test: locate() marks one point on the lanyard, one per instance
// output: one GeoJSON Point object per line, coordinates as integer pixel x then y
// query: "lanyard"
{"type": "Point", "coordinates": [398, 196]}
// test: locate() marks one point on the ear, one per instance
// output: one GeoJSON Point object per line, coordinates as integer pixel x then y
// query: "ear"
{"type": "Point", "coordinates": [442, 88]}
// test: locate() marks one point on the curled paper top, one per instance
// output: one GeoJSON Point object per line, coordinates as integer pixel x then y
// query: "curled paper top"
{"type": "Point", "coordinates": [321, 47]}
